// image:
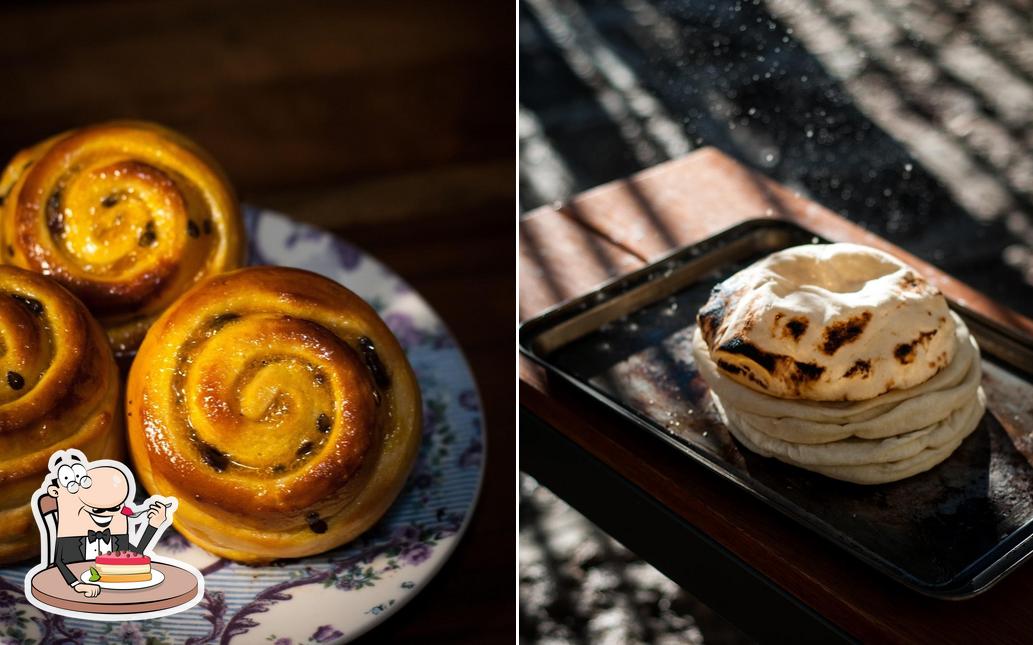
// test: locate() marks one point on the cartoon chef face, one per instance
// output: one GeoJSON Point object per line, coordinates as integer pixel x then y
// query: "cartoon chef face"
{"type": "Point", "coordinates": [89, 499]}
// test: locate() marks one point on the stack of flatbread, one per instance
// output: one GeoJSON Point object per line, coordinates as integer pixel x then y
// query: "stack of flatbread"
{"type": "Point", "coordinates": [840, 359]}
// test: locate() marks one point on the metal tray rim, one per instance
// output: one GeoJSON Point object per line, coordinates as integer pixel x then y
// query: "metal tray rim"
{"type": "Point", "coordinates": [974, 579]}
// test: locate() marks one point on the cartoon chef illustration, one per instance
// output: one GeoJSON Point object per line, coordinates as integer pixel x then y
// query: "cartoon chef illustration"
{"type": "Point", "coordinates": [92, 516]}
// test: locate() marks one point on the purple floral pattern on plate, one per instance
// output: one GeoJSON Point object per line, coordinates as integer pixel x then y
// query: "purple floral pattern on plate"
{"type": "Point", "coordinates": [339, 595]}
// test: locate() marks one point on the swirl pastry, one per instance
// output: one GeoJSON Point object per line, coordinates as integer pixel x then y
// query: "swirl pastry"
{"type": "Point", "coordinates": [279, 409]}
{"type": "Point", "coordinates": [59, 390]}
{"type": "Point", "coordinates": [126, 215]}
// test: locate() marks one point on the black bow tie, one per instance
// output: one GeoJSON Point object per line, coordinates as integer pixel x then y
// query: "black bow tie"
{"type": "Point", "coordinates": [103, 535]}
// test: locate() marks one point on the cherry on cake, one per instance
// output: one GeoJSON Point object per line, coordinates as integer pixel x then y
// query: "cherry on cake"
{"type": "Point", "coordinates": [123, 566]}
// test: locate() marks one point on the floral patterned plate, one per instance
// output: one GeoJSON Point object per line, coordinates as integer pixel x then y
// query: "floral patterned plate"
{"type": "Point", "coordinates": [339, 595]}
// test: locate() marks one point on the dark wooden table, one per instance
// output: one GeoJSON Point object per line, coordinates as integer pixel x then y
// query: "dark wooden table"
{"type": "Point", "coordinates": [389, 123]}
{"type": "Point", "coordinates": [774, 578]}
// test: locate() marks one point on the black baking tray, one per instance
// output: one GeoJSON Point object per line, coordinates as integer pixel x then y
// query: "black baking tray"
{"type": "Point", "coordinates": [951, 532]}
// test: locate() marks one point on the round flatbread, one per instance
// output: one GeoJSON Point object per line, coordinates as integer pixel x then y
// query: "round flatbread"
{"type": "Point", "coordinates": [864, 452]}
{"type": "Point", "coordinates": [828, 322]}
{"type": "Point", "coordinates": [873, 473]}
{"type": "Point", "coordinates": [893, 413]}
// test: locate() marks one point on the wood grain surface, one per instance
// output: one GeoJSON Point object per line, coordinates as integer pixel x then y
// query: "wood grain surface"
{"type": "Point", "coordinates": [178, 587]}
{"type": "Point", "coordinates": [390, 124]}
{"type": "Point", "coordinates": [679, 203]}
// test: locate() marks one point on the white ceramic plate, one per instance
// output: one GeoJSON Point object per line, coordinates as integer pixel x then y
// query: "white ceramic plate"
{"type": "Point", "coordinates": [156, 579]}
{"type": "Point", "coordinates": [339, 595]}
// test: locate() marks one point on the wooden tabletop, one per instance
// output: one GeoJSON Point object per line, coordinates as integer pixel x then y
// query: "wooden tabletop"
{"type": "Point", "coordinates": [621, 226]}
{"type": "Point", "coordinates": [178, 587]}
{"type": "Point", "coordinates": [390, 124]}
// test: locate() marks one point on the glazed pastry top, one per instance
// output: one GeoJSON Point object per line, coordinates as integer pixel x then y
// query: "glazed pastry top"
{"type": "Point", "coordinates": [59, 388]}
{"type": "Point", "coordinates": [278, 404]}
{"type": "Point", "coordinates": [127, 215]}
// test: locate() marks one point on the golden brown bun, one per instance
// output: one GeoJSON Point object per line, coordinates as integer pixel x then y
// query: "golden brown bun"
{"type": "Point", "coordinates": [278, 408]}
{"type": "Point", "coordinates": [126, 215]}
{"type": "Point", "coordinates": [59, 389]}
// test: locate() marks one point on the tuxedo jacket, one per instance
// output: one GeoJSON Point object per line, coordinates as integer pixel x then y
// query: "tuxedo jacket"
{"type": "Point", "coordinates": [73, 549]}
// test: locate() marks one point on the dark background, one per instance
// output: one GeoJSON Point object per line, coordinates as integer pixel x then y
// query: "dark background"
{"type": "Point", "coordinates": [912, 119]}
{"type": "Point", "coordinates": [389, 123]}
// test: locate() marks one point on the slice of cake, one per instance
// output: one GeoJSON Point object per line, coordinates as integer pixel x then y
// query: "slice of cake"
{"type": "Point", "coordinates": [123, 566]}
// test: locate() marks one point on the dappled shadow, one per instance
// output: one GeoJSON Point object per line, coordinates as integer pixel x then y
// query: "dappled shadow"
{"type": "Point", "coordinates": [743, 78]}
{"type": "Point", "coordinates": [569, 564]}
{"type": "Point", "coordinates": [561, 591]}
{"type": "Point", "coordinates": [530, 246]}
{"type": "Point", "coordinates": [570, 113]}
{"type": "Point", "coordinates": [883, 123]}
{"type": "Point", "coordinates": [562, 266]}
{"type": "Point", "coordinates": [646, 207]}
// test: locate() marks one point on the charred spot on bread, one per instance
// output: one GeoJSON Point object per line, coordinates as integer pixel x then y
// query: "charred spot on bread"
{"type": "Point", "coordinates": [750, 375]}
{"type": "Point", "coordinates": [710, 318]}
{"type": "Point", "coordinates": [796, 371]}
{"type": "Point", "coordinates": [843, 332]}
{"type": "Point", "coordinates": [859, 368]}
{"type": "Point", "coordinates": [796, 327]}
{"type": "Point", "coordinates": [909, 281]}
{"type": "Point", "coordinates": [740, 347]}
{"type": "Point", "coordinates": [905, 352]}
{"type": "Point", "coordinates": [806, 372]}
{"type": "Point", "coordinates": [192, 229]}
{"type": "Point", "coordinates": [729, 367]}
